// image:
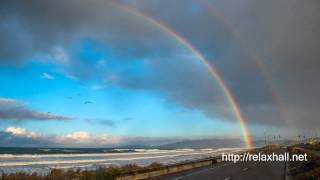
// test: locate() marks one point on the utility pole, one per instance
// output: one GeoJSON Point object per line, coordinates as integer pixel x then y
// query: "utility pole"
{"type": "Point", "coordinates": [265, 139]}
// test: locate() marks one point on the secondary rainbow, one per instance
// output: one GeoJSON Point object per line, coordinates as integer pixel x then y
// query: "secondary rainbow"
{"type": "Point", "coordinates": [212, 70]}
{"type": "Point", "coordinates": [258, 60]}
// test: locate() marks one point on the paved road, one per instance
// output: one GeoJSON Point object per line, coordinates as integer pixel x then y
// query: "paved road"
{"type": "Point", "coordinates": [232, 171]}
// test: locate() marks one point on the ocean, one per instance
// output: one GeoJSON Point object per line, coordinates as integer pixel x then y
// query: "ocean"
{"type": "Point", "coordinates": [41, 160]}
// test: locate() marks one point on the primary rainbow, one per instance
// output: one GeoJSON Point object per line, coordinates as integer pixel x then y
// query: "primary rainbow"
{"type": "Point", "coordinates": [212, 70]}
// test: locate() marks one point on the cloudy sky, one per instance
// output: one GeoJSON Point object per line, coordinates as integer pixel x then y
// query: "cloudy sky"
{"type": "Point", "coordinates": [109, 72]}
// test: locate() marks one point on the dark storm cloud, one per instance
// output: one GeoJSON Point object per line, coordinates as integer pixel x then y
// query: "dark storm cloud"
{"type": "Point", "coordinates": [284, 34]}
{"type": "Point", "coordinates": [12, 110]}
{"type": "Point", "coordinates": [61, 22]}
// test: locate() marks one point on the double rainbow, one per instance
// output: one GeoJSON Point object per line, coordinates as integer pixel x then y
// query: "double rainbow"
{"type": "Point", "coordinates": [213, 71]}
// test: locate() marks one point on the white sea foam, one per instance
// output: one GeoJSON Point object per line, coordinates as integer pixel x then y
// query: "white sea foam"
{"type": "Point", "coordinates": [207, 149]}
{"type": "Point", "coordinates": [42, 163]}
{"type": "Point", "coordinates": [140, 152]}
{"type": "Point", "coordinates": [51, 162]}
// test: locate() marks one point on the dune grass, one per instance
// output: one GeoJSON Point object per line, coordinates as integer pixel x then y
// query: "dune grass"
{"type": "Point", "coordinates": [309, 169]}
{"type": "Point", "coordinates": [107, 173]}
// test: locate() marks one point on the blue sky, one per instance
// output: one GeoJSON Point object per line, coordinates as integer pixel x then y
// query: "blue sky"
{"type": "Point", "coordinates": [135, 112]}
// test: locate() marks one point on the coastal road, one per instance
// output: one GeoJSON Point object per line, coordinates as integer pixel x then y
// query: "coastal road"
{"type": "Point", "coordinates": [232, 171]}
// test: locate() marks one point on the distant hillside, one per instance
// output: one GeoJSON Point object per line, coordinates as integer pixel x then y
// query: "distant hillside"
{"type": "Point", "coordinates": [217, 143]}
{"type": "Point", "coordinates": [204, 143]}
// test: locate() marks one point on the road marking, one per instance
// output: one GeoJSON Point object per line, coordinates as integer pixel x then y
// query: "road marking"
{"type": "Point", "coordinates": [244, 169]}
{"type": "Point", "coordinates": [198, 172]}
{"type": "Point", "coordinates": [227, 178]}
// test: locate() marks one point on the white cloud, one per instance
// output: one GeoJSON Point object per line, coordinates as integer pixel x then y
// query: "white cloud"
{"type": "Point", "coordinates": [60, 56]}
{"type": "Point", "coordinates": [47, 76]}
{"type": "Point", "coordinates": [18, 136]}
{"type": "Point", "coordinates": [79, 135]}
{"type": "Point", "coordinates": [77, 138]}
{"type": "Point", "coordinates": [7, 100]}
{"type": "Point", "coordinates": [16, 131]}
{"type": "Point", "coordinates": [85, 138]}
